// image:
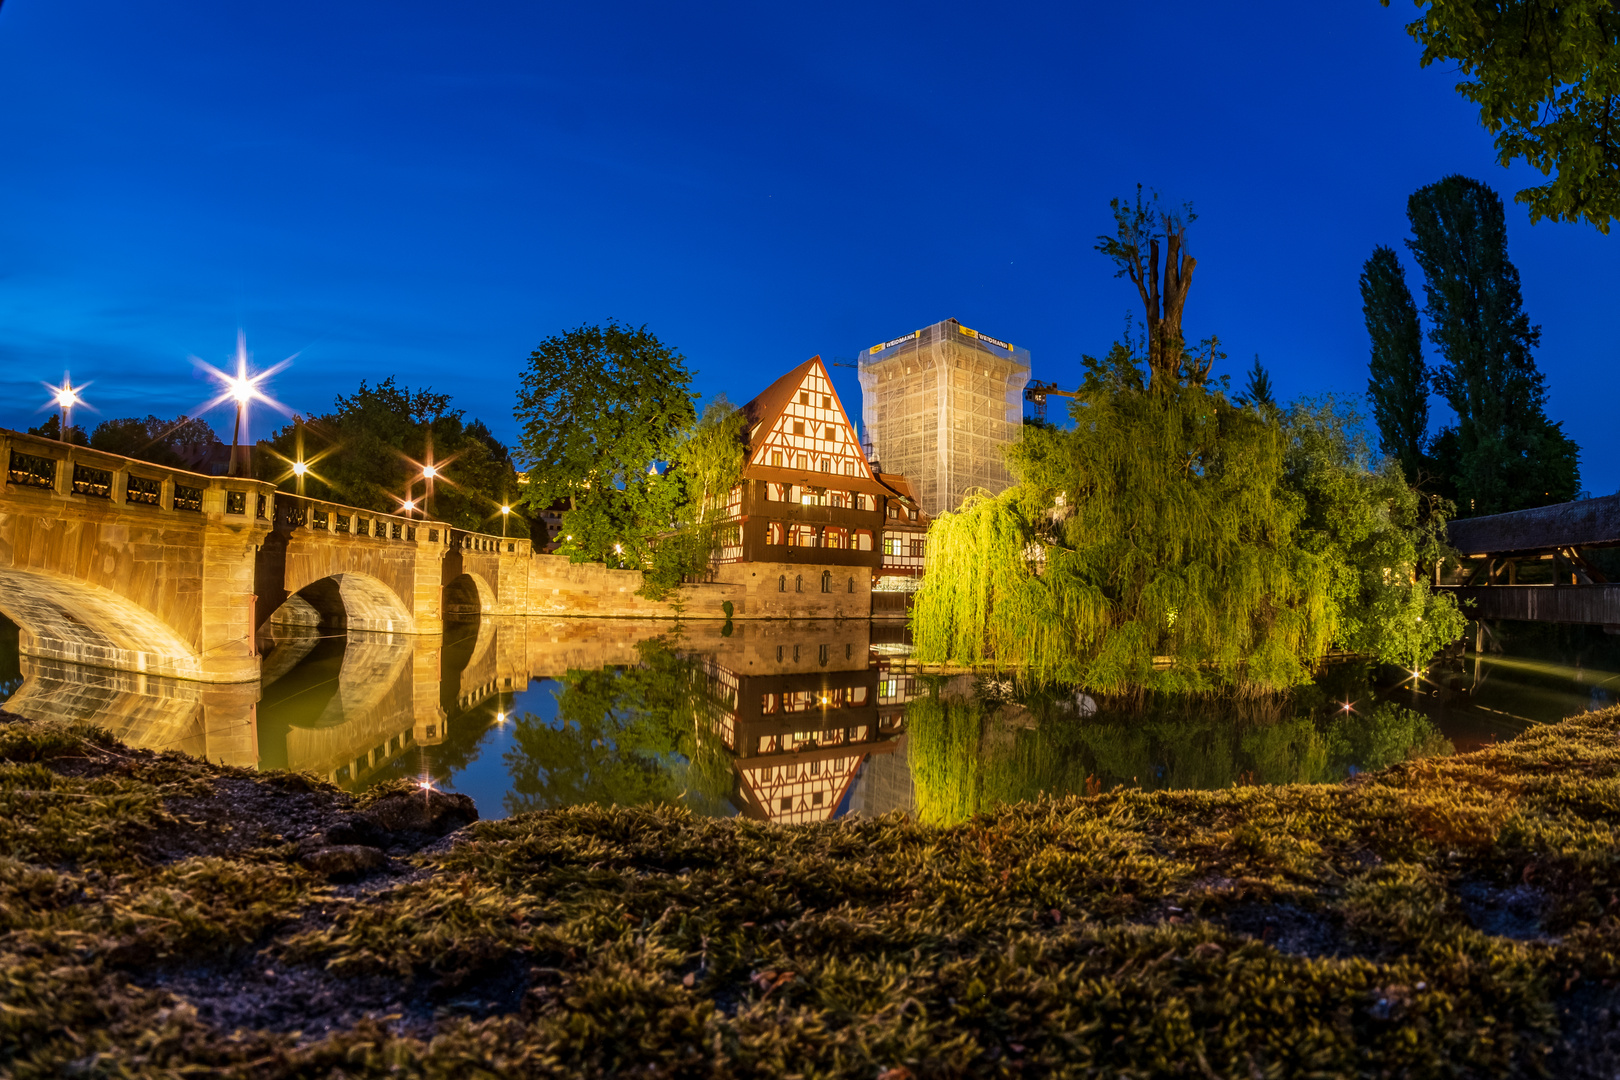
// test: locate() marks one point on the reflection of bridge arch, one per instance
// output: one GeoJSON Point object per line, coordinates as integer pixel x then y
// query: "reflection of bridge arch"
{"type": "Point", "coordinates": [350, 601]}
{"type": "Point", "coordinates": [468, 594]}
{"type": "Point", "coordinates": [64, 619]}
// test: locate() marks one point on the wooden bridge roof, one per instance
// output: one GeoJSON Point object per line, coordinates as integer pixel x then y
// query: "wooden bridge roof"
{"type": "Point", "coordinates": [1586, 523]}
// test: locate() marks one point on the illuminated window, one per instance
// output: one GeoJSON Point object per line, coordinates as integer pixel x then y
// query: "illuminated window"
{"type": "Point", "coordinates": [863, 539]}
{"type": "Point", "coordinates": [776, 458]}
{"type": "Point", "coordinates": [775, 533]}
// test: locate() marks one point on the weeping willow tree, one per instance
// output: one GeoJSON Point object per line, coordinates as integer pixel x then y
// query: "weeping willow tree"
{"type": "Point", "coordinates": [1158, 528]}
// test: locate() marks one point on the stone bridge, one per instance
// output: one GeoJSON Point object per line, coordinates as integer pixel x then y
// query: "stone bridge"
{"type": "Point", "coordinates": [116, 563]}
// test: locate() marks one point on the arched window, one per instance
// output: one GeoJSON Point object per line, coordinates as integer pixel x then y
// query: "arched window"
{"type": "Point", "coordinates": [851, 584]}
{"type": "Point", "coordinates": [798, 583]}
{"type": "Point", "coordinates": [826, 581]}
{"type": "Point", "coordinates": [781, 583]}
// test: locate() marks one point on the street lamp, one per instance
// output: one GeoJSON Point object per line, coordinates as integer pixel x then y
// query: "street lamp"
{"type": "Point", "coordinates": [505, 512]}
{"type": "Point", "coordinates": [64, 397]}
{"type": "Point", "coordinates": [243, 389]}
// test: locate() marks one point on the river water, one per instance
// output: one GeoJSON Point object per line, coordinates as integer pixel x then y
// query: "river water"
{"type": "Point", "coordinates": [792, 722]}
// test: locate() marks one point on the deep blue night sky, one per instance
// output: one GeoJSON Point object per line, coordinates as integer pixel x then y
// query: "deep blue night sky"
{"type": "Point", "coordinates": [430, 189]}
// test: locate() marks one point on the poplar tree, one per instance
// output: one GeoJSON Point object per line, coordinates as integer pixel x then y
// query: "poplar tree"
{"type": "Point", "coordinates": [1503, 454]}
{"type": "Point", "coordinates": [1398, 383]}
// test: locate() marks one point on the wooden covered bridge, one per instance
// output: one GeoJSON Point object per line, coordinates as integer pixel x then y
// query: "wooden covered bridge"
{"type": "Point", "coordinates": [1533, 565]}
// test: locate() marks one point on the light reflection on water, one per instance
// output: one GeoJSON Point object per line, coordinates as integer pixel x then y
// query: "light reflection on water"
{"type": "Point", "coordinates": [791, 722]}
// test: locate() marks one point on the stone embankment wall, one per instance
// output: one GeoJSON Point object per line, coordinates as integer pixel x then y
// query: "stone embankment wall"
{"type": "Point", "coordinates": [756, 591]}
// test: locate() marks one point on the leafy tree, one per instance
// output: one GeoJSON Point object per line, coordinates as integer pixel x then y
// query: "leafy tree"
{"type": "Point", "coordinates": [1398, 383]}
{"type": "Point", "coordinates": [1165, 530]}
{"type": "Point", "coordinates": [1546, 77]}
{"type": "Point", "coordinates": [705, 465]}
{"type": "Point", "coordinates": [1139, 230]}
{"type": "Point", "coordinates": [599, 406]}
{"type": "Point", "coordinates": [1505, 454]}
{"type": "Point", "coordinates": [1170, 523]}
{"type": "Point", "coordinates": [369, 452]}
{"type": "Point", "coordinates": [51, 428]}
{"type": "Point", "coordinates": [1377, 536]}
{"type": "Point", "coordinates": [182, 443]}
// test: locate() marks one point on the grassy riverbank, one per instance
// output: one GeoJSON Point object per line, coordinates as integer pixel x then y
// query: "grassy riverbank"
{"type": "Point", "coordinates": [1450, 916]}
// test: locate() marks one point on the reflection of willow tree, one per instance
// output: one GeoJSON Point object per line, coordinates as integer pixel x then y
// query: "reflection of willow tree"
{"type": "Point", "coordinates": [967, 755]}
{"type": "Point", "coordinates": [626, 736]}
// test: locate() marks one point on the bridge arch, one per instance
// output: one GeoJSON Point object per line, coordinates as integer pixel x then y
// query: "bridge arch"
{"type": "Point", "coordinates": [75, 621]}
{"type": "Point", "coordinates": [347, 601]}
{"type": "Point", "coordinates": [468, 594]}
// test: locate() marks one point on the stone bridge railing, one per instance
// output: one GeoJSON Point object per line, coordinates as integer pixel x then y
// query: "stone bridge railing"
{"type": "Point", "coordinates": [339, 521]}
{"type": "Point", "coordinates": [34, 463]}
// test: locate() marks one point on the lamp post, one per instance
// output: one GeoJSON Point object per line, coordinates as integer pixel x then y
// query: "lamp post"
{"type": "Point", "coordinates": [505, 512]}
{"type": "Point", "coordinates": [429, 473]}
{"type": "Point", "coordinates": [241, 388]}
{"type": "Point", "coordinates": [65, 397]}
{"type": "Point", "coordinates": [299, 467]}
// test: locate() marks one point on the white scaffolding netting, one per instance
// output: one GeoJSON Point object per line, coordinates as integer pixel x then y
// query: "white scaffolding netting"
{"type": "Point", "coordinates": [939, 405]}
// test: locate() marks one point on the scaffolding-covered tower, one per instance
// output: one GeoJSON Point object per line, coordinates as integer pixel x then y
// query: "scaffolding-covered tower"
{"type": "Point", "coordinates": [938, 406]}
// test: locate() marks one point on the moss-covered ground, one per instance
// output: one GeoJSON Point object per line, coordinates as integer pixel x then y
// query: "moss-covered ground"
{"type": "Point", "coordinates": [1446, 917]}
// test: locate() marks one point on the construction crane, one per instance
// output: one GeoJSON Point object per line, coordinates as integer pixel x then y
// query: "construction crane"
{"type": "Point", "coordinates": [1037, 392]}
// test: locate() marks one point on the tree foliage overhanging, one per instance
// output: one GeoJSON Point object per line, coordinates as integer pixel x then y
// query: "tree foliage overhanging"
{"type": "Point", "coordinates": [1546, 77]}
{"type": "Point", "coordinates": [369, 451]}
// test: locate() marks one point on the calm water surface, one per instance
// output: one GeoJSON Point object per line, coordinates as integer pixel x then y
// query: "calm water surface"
{"type": "Point", "coordinates": [788, 721]}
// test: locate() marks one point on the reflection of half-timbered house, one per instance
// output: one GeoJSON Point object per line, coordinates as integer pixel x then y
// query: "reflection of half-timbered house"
{"type": "Point", "coordinates": [800, 728]}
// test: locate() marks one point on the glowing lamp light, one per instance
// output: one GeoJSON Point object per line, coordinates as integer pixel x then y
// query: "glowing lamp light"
{"type": "Point", "coordinates": [500, 717]}
{"type": "Point", "coordinates": [67, 397]}
{"type": "Point", "coordinates": [299, 468]}
{"type": "Point", "coordinates": [429, 471]}
{"type": "Point", "coordinates": [506, 509]}
{"type": "Point", "coordinates": [618, 549]}
{"type": "Point", "coordinates": [410, 504]}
